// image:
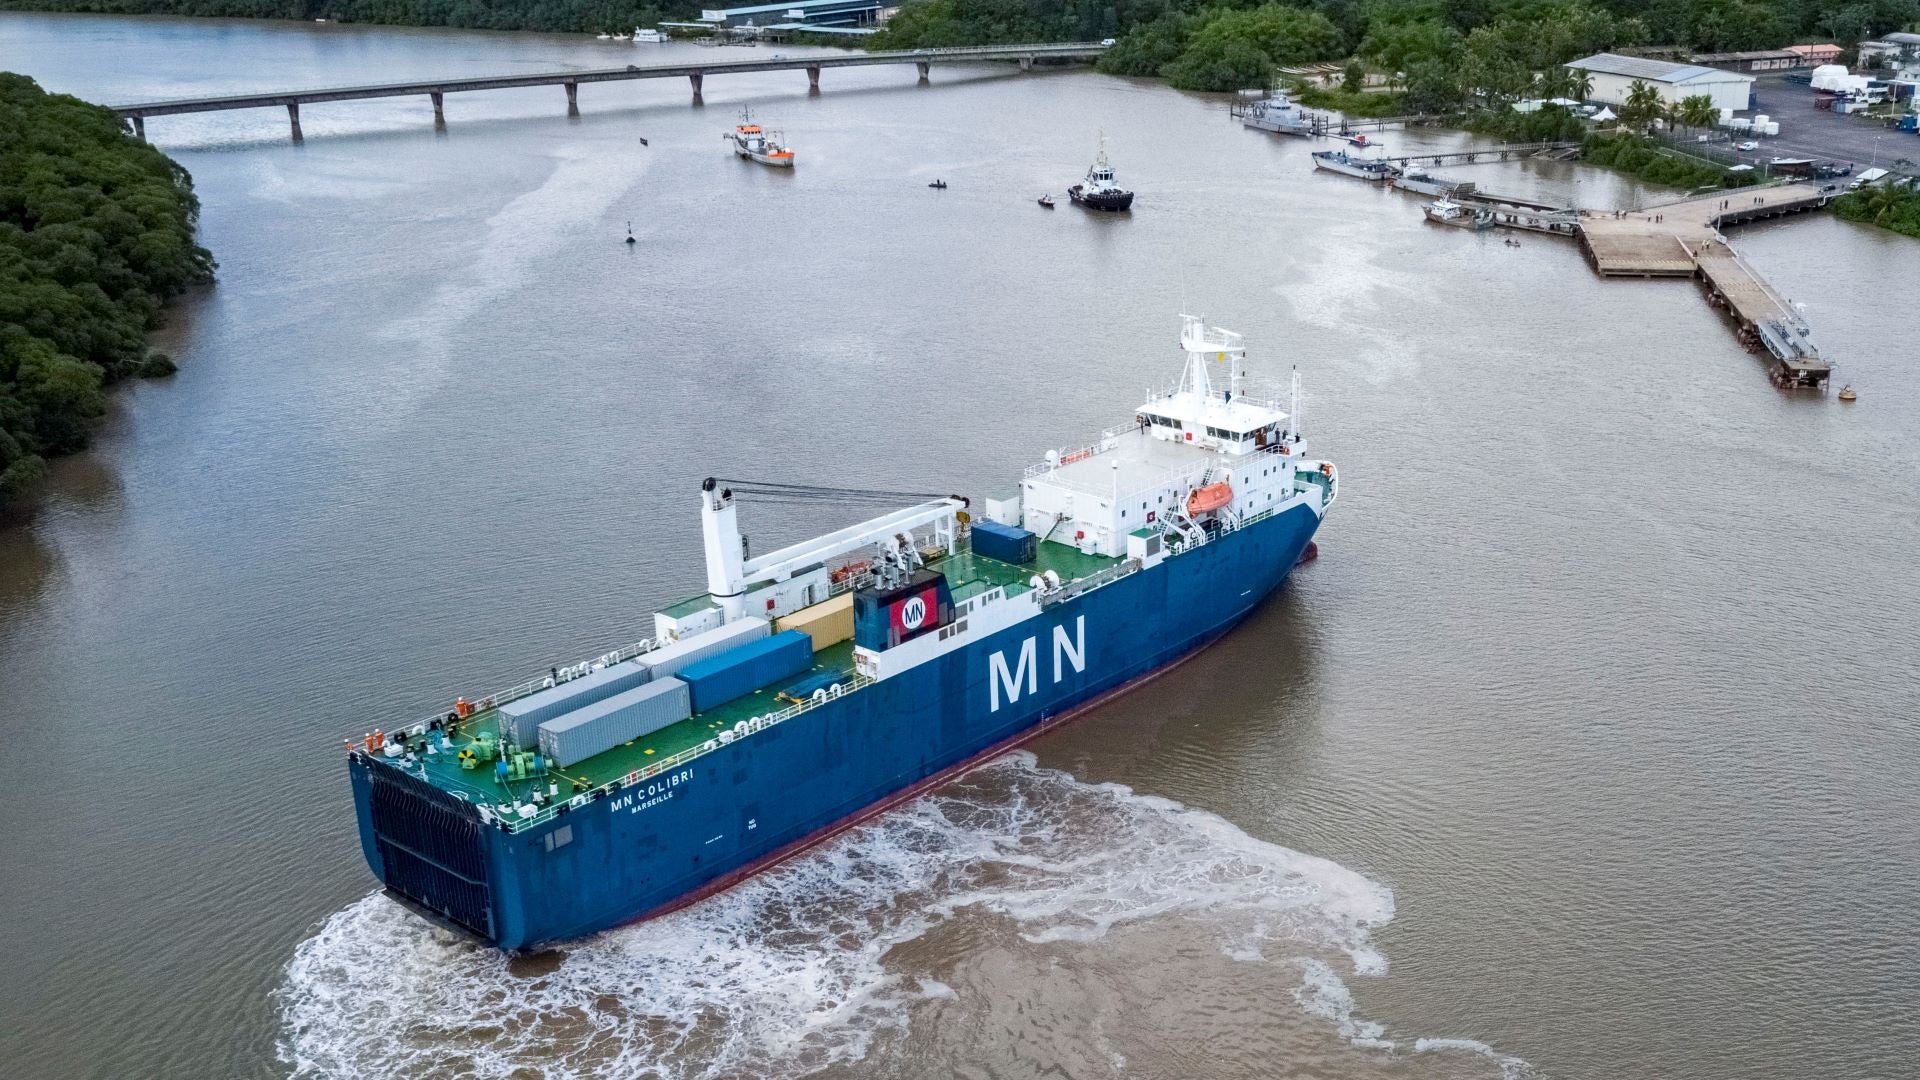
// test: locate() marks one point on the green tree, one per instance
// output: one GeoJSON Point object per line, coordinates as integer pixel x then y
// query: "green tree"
{"type": "Point", "coordinates": [1354, 79]}
{"type": "Point", "coordinates": [1642, 106]}
{"type": "Point", "coordinates": [1696, 111]}
{"type": "Point", "coordinates": [1579, 84]}
{"type": "Point", "coordinates": [96, 233]}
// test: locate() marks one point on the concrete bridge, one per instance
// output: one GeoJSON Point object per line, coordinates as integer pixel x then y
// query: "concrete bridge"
{"type": "Point", "coordinates": [436, 91]}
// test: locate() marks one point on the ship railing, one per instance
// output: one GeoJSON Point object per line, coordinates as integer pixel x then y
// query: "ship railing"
{"type": "Point", "coordinates": [538, 683]}
{"type": "Point", "coordinates": [513, 821]}
{"type": "Point", "coordinates": [1081, 586]}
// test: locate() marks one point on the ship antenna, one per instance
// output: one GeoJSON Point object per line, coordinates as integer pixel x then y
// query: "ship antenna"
{"type": "Point", "coordinates": [1293, 406]}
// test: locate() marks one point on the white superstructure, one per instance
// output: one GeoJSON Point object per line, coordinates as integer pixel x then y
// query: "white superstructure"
{"type": "Point", "coordinates": [1213, 427]}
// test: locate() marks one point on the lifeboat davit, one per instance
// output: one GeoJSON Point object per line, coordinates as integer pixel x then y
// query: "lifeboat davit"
{"type": "Point", "coordinates": [1211, 497]}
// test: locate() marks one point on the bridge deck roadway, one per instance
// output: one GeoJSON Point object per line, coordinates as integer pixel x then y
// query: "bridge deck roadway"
{"type": "Point", "coordinates": [1062, 50]}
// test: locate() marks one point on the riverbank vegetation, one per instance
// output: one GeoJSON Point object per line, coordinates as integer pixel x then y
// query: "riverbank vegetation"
{"type": "Point", "coordinates": [1638, 156]}
{"type": "Point", "coordinates": [550, 16]}
{"type": "Point", "coordinates": [96, 233]}
{"type": "Point", "coordinates": [1880, 204]}
{"type": "Point", "coordinates": [1438, 53]}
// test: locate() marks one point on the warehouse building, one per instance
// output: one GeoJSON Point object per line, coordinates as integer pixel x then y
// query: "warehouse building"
{"type": "Point", "coordinates": [1614, 75]}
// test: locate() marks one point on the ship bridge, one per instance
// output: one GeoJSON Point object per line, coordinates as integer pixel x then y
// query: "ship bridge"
{"type": "Point", "coordinates": [1213, 429]}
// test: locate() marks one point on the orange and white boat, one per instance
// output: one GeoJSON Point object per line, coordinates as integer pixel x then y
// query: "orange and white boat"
{"type": "Point", "coordinates": [750, 140]}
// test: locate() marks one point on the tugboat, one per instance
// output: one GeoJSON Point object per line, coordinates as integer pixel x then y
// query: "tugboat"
{"type": "Point", "coordinates": [762, 146]}
{"type": "Point", "coordinates": [1098, 191]}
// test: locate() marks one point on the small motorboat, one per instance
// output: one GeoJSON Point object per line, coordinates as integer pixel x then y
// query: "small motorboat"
{"type": "Point", "coordinates": [603, 36]}
{"type": "Point", "coordinates": [1046, 201]}
{"type": "Point", "coordinates": [630, 238]}
{"type": "Point", "coordinates": [938, 185]}
{"type": "Point", "coordinates": [1359, 140]}
{"type": "Point", "coordinates": [1847, 394]}
{"type": "Point", "coordinates": [643, 140]}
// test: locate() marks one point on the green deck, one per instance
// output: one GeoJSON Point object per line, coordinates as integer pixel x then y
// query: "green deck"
{"type": "Point", "coordinates": [967, 574]}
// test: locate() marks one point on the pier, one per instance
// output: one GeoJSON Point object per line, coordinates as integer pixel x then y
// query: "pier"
{"type": "Point", "coordinates": [695, 74]}
{"type": "Point", "coordinates": [1682, 240]}
{"type": "Point", "coordinates": [1347, 127]}
{"type": "Point", "coordinates": [1679, 239]}
{"type": "Point", "coordinates": [1485, 154]}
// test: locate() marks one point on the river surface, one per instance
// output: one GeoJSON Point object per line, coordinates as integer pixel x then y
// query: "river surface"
{"type": "Point", "coordinates": [1587, 748]}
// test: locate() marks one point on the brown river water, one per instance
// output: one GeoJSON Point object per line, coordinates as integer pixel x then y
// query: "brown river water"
{"type": "Point", "coordinates": [1587, 748]}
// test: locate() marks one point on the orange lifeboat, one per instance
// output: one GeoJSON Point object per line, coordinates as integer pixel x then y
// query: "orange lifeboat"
{"type": "Point", "coordinates": [1211, 497]}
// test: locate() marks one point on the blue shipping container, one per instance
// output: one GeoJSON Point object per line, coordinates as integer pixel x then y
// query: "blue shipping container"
{"type": "Point", "coordinates": [520, 720]}
{"type": "Point", "coordinates": [1007, 543]}
{"type": "Point", "coordinates": [606, 724]}
{"type": "Point", "coordinates": [742, 670]}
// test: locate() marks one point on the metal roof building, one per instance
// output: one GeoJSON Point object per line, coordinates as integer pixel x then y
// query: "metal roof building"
{"type": "Point", "coordinates": [1614, 75]}
{"type": "Point", "coordinates": [815, 12]}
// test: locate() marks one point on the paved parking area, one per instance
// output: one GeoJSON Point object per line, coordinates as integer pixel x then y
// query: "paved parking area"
{"type": "Point", "coordinates": [1824, 135]}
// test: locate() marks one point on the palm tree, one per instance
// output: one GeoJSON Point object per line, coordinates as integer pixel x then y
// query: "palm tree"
{"type": "Point", "coordinates": [1553, 83]}
{"type": "Point", "coordinates": [1579, 83]}
{"type": "Point", "coordinates": [1643, 104]}
{"type": "Point", "coordinates": [1697, 111]}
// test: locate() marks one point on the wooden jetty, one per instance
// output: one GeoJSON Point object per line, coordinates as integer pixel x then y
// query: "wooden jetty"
{"type": "Point", "coordinates": [1682, 240]}
{"type": "Point", "coordinates": [1763, 319]}
{"type": "Point", "coordinates": [1485, 154]}
{"type": "Point", "coordinates": [1345, 126]}
{"type": "Point", "coordinates": [1658, 241]}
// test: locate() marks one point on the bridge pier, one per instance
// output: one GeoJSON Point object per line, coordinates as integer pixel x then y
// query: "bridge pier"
{"type": "Point", "coordinates": [695, 80]}
{"type": "Point", "coordinates": [813, 79]}
{"type": "Point", "coordinates": [924, 67]}
{"type": "Point", "coordinates": [1026, 63]}
{"type": "Point", "coordinates": [439, 109]}
{"type": "Point", "coordinates": [140, 128]}
{"type": "Point", "coordinates": [293, 115]}
{"type": "Point", "coordinates": [573, 98]}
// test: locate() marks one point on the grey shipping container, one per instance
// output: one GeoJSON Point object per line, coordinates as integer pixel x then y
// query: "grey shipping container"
{"type": "Point", "coordinates": [520, 719]}
{"type": "Point", "coordinates": [621, 718]}
{"type": "Point", "coordinates": [669, 659]}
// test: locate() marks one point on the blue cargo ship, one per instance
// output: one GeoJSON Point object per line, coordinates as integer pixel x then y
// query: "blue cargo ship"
{"type": "Point", "coordinates": [814, 686]}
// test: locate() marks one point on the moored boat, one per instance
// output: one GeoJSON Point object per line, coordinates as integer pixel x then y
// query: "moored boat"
{"type": "Point", "coordinates": [1277, 113]}
{"type": "Point", "coordinates": [809, 687]}
{"type": "Point", "coordinates": [1448, 212]}
{"type": "Point", "coordinates": [1374, 170]}
{"type": "Point", "coordinates": [644, 36]}
{"type": "Point", "coordinates": [1425, 183]}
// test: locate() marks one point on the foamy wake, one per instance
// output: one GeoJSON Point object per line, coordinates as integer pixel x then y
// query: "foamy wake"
{"type": "Point", "coordinates": [785, 974]}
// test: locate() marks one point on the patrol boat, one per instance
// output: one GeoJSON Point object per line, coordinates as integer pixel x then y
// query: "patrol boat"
{"type": "Point", "coordinates": [1277, 113]}
{"type": "Point", "coordinates": [750, 141]}
{"type": "Point", "coordinates": [808, 688]}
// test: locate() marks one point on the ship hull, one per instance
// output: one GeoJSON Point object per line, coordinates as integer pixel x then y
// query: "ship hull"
{"type": "Point", "coordinates": [1373, 175]}
{"type": "Point", "coordinates": [685, 834]}
{"type": "Point", "coordinates": [782, 162]}
{"type": "Point", "coordinates": [1109, 200]}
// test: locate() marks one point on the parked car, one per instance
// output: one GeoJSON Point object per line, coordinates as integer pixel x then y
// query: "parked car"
{"type": "Point", "coordinates": [1747, 145]}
